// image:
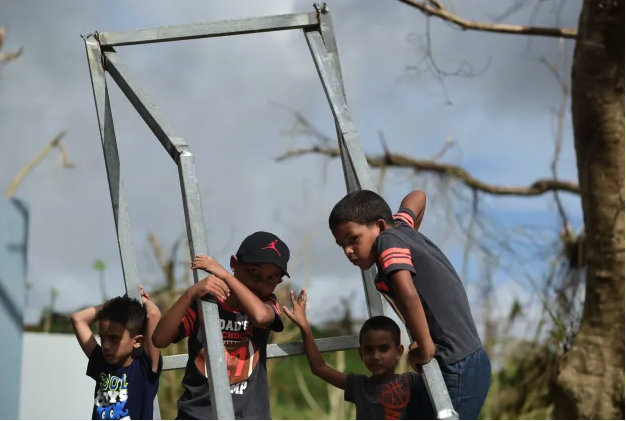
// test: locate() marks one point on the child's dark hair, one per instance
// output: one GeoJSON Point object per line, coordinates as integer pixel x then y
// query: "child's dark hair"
{"type": "Point", "coordinates": [126, 311]}
{"type": "Point", "coordinates": [381, 323]}
{"type": "Point", "coordinates": [363, 207]}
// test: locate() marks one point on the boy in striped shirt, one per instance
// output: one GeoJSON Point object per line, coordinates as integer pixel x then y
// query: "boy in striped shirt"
{"type": "Point", "coordinates": [422, 286]}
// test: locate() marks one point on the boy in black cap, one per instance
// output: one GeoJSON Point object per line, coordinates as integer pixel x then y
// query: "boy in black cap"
{"type": "Point", "coordinates": [248, 311]}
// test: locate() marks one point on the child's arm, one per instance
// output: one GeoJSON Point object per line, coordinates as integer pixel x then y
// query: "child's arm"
{"type": "Point", "coordinates": [80, 322]}
{"type": "Point", "coordinates": [153, 317]}
{"type": "Point", "coordinates": [260, 314]}
{"type": "Point", "coordinates": [396, 263]}
{"type": "Point", "coordinates": [313, 354]}
{"type": "Point", "coordinates": [168, 327]}
{"type": "Point", "coordinates": [411, 310]}
{"type": "Point", "coordinates": [416, 203]}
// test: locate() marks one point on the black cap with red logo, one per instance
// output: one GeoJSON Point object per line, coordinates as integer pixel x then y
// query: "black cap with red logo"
{"type": "Point", "coordinates": [264, 247]}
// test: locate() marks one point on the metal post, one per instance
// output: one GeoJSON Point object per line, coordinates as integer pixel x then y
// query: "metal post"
{"type": "Point", "coordinates": [356, 172]}
{"type": "Point", "coordinates": [288, 349]}
{"type": "Point", "coordinates": [217, 377]}
{"type": "Point", "coordinates": [213, 344]}
{"type": "Point", "coordinates": [115, 179]}
{"type": "Point", "coordinates": [353, 159]}
{"type": "Point", "coordinates": [209, 29]}
{"type": "Point", "coordinates": [112, 163]}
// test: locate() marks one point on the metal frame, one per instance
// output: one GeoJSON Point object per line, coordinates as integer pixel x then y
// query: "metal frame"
{"type": "Point", "coordinates": [319, 35]}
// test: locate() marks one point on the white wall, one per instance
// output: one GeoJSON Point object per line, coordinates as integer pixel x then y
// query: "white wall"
{"type": "Point", "coordinates": [54, 384]}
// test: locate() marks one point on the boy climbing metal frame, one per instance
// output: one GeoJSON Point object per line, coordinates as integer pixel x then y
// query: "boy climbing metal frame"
{"type": "Point", "coordinates": [318, 32]}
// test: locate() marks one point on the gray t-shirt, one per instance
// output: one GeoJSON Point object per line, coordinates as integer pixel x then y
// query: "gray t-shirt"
{"type": "Point", "coordinates": [439, 287]}
{"type": "Point", "coordinates": [390, 400]}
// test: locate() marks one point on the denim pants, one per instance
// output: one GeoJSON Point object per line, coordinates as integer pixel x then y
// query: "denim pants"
{"type": "Point", "coordinates": [468, 382]}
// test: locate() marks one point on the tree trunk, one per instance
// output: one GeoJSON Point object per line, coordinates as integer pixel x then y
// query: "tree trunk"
{"type": "Point", "coordinates": [589, 380]}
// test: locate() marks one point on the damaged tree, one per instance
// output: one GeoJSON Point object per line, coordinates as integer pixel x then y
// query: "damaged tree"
{"type": "Point", "coordinates": [589, 381]}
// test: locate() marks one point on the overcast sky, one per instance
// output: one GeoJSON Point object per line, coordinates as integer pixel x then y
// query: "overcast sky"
{"type": "Point", "coordinates": [217, 94]}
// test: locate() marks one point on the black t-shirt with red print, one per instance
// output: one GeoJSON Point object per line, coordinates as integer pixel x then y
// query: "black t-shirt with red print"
{"type": "Point", "coordinates": [440, 289]}
{"type": "Point", "coordinates": [394, 399]}
{"type": "Point", "coordinates": [245, 347]}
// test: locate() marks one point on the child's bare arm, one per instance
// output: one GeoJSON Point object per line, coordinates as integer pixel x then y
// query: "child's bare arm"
{"type": "Point", "coordinates": [168, 327]}
{"type": "Point", "coordinates": [397, 266]}
{"type": "Point", "coordinates": [81, 321]}
{"type": "Point", "coordinates": [411, 310]}
{"type": "Point", "coordinates": [416, 202]}
{"type": "Point", "coordinates": [260, 314]}
{"type": "Point", "coordinates": [313, 355]}
{"type": "Point", "coordinates": [153, 317]}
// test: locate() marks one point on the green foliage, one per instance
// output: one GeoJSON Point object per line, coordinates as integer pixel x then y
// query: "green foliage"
{"type": "Point", "coordinates": [99, 266]}
{"type": "Point", "coordinates": [291, 404]}
{"type": "Point", "coordinates": [520, 389]}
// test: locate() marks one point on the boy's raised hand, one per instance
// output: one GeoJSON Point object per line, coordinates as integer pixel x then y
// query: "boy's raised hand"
{"type": "Point", "coordinates": [211, 285]}
{"type": "Point", "coordinates": [298, 315]}
{"type": "Point", "coordinates": [209, 264]}
{"type": "Point", "coordinates": [144, 295]}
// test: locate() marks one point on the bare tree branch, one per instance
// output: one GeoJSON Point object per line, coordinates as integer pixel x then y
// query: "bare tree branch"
{"type": "Point", "coordinates": [448, 144]}
{"type": "Point", "coordinates": [436, 8]}
{"type": "Point", "coordinates": [469, 242]}
{"type": "Point", "coordinates": [383, 169]}
{"type": "Point", "coordinates": [6, 57]}
{"type": "Point", "coordinates": [537, 188]}
{"type": "Point", "coordinates": [54, 143]}
{"type": "Point", "coordinates": [554, 69]}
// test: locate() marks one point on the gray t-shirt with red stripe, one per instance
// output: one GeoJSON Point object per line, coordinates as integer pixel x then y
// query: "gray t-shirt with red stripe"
{"type": "Point", "coordinates": [441, 291]}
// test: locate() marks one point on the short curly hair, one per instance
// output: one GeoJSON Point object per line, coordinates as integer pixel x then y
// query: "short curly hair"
{"type": "Point", "coordinates": [383, 323]}
{"type": "Point", "coordinates": [363, 207]}
{"type": "Point", "coordinates": [126, 311]}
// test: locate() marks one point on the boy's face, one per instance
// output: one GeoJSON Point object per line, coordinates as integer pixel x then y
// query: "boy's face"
{"type": "Point", "coordinates": [260, 278]}
{"type": "Point", "coordinates": [117, 343]}
{"type": "Point", "coordinates": [357, 242]}
{"type": "Point", "coordinates": [379, 352]}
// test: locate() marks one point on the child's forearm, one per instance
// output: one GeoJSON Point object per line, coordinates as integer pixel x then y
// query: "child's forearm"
{"type": "Point", "coordinates": [167, 326]}
{"type": "Point", "coordinates": [153, 317]}
{"type": "Point", "coordinates": [313, 354]}
{"type": "Point", "coordinates": [416, 201]}
{"type": "Point", "coordinates": [86, 316]}
{"type": "Point", "coordinates": [317, 363]}
{"type": "Point", "coordinates": [153, 312]}
{"type": "Point", "coordinates": [80, 323]}
{"type": "Point", "coordinates": [259, 313]}
{"type": "Point", "coordinates": [413, 313]}
{"type": "Point", "coordinates": [152, 320]}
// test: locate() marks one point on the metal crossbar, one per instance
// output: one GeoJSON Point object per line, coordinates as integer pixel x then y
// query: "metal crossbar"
{"type": "Point", "coordinates": [320, 38]}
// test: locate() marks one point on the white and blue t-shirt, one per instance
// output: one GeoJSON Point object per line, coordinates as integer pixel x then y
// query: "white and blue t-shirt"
{"type": "Point", "coordinates": [123, 393]}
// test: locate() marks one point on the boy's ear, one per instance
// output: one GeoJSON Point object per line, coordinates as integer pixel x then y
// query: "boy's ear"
{"type": "Point", "coordinates": [233, 262]}
{"type": "Point", "coordinates": [400, 352]}
{"type": "Point", "coordinates": [138, 341]}
{"type": "Point", "coordinates": [382, 225]}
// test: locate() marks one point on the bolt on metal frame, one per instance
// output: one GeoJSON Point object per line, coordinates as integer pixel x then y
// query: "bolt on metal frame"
{"type": "Point", "coordinates": [319, 35]}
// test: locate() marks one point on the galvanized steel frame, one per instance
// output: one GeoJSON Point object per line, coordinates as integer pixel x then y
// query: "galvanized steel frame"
{"type": "Point", "coordinates": [319, 35]}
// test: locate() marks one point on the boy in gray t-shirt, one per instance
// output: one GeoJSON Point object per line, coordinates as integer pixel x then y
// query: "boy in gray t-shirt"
{"type": "Point", "coordinates": [384, 395]}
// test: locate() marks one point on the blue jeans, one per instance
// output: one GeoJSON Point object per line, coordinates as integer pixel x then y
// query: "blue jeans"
{"type": "Point", "coordinates": [468, 382]}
